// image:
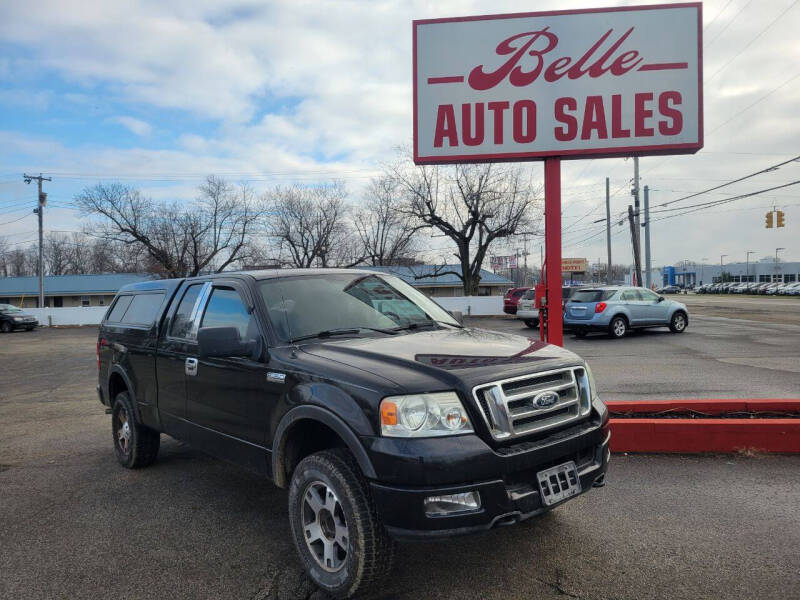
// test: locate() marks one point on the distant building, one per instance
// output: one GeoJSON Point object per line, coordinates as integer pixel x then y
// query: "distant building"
{"type": "Point", "coordinates": [66, 290]}
{"type": "Point", "coordinates": [762, 271]}
{"type": "Point", "coordinates": [426, 279]}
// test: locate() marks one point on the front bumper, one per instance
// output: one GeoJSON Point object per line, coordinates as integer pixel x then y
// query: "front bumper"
{"type": "Point", "coordinates": [504, 477]}
{"type": "Point", "coordinates": [24, 324]}
{"type": "Point", "coordinates": [528, 314]}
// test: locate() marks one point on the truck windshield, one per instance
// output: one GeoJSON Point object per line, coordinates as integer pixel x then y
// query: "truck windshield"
{"type": "Point", "coordinates": [306, 305]}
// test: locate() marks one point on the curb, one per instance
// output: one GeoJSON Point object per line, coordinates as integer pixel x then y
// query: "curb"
{"type": "Point", "coordinates": [771, 425]}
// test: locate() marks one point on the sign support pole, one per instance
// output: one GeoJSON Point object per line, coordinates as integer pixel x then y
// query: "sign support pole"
{"type": "Point", "coordinates": [552, 244]}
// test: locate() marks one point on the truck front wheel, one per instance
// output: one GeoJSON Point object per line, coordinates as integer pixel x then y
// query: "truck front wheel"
{"type": "Point", "coordinates": [134, 444]}
{"type": "Point", "coordinates": [336, 528]}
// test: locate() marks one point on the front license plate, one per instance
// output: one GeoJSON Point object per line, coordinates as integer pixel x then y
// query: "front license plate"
{"type": "Point", "coordinates": [559, 483]}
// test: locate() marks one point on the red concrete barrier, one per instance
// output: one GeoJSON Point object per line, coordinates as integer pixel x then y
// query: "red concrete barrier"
{"type": "Point", "coordinates": [662, 431]}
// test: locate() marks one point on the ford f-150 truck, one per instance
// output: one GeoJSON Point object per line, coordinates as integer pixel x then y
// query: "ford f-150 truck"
{"type": "Point", "coordinates": [384, 417]}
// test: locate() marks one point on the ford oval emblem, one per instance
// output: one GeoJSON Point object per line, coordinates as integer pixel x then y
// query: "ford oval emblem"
{"type": "Point", "coordinates": [545, 399]}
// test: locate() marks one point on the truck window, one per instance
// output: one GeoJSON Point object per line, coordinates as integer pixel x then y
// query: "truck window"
{"type": "Point", "coordinates": [226, 309]}
{"type": "Point", "coordinates": [143, 309]}
{"type": "Point", "coordinates": [182, 321]}
{"type": "Point", "coordinates": [120, 306]}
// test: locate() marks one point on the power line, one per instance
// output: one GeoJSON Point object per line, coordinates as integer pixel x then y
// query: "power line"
{"type": "Point", "coordinates": [15, 220]}
{"type": "Point", "coordinates": [750, 43]}
{"type": "Point", "coordinates": [696, 207]}
{"type": "Point", "coordinates": [721, 31]}
{"type": "Point", "coordinates": [761, 172]}
{"type": "Point", "coordinates": [722, 10]}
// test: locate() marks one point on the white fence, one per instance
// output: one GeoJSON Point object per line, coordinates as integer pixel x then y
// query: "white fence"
{"type": "Point", "coordinates": [80, 315]}
{"type": "Point", "coordinates": [473, 305]}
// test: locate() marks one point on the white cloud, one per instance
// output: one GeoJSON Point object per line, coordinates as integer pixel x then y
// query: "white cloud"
{"type": "Point", "coordinates": [135, 126]}
{"type": "Point", "coordinates": [301, 89]}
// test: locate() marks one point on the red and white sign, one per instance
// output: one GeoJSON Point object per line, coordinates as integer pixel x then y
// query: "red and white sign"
{"type": "Point", "coordinates": [502, 263]}
{"type": "Point", "coordinates": [600, 82]}
{"type": "Point", "coordinates": [574, 265]}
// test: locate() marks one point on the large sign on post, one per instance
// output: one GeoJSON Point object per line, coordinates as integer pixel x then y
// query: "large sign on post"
{"type": "Point", "coordinates": [596, 82]}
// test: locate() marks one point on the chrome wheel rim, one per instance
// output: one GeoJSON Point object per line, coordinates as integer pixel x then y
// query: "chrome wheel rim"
{"type": "Point", "coordinates": [324, 526]}
{"type": "Point", "coordinates": [619, 328]}
{"type": "Point", "coordinates": [123, 431]}
{"type": "Point", "coordinates": [680, 322]}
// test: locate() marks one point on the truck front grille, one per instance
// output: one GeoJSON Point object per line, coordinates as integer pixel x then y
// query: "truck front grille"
{"type": "Point", "coordinates": [534, 403]}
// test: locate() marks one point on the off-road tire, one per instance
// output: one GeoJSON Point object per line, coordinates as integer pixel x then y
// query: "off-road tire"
{"type": "Point", "coordinates": [618, 327]}
{"type": "Point", "coordinates": [679, 322]}
{"type": "Point", "coordinates": [5, 327]}
{"type": "Point", "coordinates": [532, 323]}
{"type": "Point", "coordinates": [142, 444]}
{"type": "Point", "coordinates": [370, 551]}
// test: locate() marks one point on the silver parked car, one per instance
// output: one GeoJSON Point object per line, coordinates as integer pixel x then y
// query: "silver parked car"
{"type": "Point", "coordinates": [616, 310]}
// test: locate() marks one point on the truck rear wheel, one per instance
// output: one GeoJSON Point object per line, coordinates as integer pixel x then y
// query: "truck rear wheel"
{"type": "Point", "coordinates": [336, 528]}
{"type": "Point", "coordinates": [134, 444]}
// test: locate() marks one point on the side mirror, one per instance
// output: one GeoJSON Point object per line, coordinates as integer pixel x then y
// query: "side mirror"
{"type": "Point", "coordinates": [661, 298]}
{"type": "Point", "coordinates": [223, 342]}
{"type": "Point", "coordinates": [458, 316]}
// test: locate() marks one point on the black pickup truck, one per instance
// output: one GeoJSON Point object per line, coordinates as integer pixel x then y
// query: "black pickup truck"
{"type": "Point", "coordinates": [384, 417]}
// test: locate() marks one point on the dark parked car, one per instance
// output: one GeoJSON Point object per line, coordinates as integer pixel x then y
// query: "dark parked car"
{"type": "Point", "coordinates": [670, 289]}
{"type": "Point", "coordinates": [384, 417]}
{"type": "Point", "coordinates": [512, 298]}
{"type": "Point", "coordinates": [12, 318]}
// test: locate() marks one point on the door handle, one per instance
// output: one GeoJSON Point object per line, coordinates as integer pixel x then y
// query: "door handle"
{"type": "Point", "coordinates": [190, 367]}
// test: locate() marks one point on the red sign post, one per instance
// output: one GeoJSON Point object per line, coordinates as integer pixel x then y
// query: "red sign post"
{"type": "Point", "coordinates": [605, 82]}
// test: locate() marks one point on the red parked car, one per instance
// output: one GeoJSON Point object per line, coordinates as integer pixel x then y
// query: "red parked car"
{"type": "Point", "coordinates": [511, 299]}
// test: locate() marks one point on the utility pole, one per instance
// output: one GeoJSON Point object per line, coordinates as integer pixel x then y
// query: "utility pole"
{"type": "Point", "coordinates": [647, 265]}
{"type": "Point", "coordinates": [608, 232]}
{"type": "Point", "coordinates": [39, 210]}
{"type": "Point", "coordinates": [634, 239]}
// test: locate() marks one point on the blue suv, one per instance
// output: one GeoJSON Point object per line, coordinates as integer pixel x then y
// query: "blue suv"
{"type": "Point", "coordinates": [616, 310]}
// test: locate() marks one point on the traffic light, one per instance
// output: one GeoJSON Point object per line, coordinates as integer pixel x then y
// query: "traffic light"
{"type": "Point", "coordinates": [780, 220]}
{"type": "Point", "coordinates": [769, 220]}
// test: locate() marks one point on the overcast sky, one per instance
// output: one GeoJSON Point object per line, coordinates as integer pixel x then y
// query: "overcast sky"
{"type": "Point", "coordinates": [159, 94]}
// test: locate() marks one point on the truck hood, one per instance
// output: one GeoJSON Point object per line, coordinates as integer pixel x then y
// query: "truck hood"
{"type": "Point", "coordinates": [430, 359]}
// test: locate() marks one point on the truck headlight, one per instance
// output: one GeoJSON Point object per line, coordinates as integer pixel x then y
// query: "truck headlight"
{"type": "Point", "coordinates": [424, 415]}
{"type": "Point", "coordinates": [586, 388]}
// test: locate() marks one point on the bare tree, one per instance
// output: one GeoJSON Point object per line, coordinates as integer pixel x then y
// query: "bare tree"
{"type": "Point", "coordinates": [57, 254]}
{"type": "Point", "coordinates": [388, 236]}
{"type": "Point", "coordinates": [180, 240]}
{"type": "Point", "coordinates": [310, 227]}
{"type": "Point", "coordinates": [4, 250]}
{"type": "Point", "coordinates": [473, 205]}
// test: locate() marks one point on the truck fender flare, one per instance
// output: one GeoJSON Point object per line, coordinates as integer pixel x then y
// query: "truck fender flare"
{"type": "Point", "coordinates": [128, 384]}
{"type": "Point", "coordinates": [316, 413]}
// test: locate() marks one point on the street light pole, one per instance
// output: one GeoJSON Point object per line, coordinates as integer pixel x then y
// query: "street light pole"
{"type": "Point", "coordinates": [721, 256]}
{"type": "Point", "coordinates": [703, 269]}
{"type": "Point", "coordinates": [777, 269]}
{"type": "Point", "coordinates": [747, 267]}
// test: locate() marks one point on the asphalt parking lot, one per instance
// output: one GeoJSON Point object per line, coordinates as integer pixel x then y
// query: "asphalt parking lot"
{"type": "Point", "coordinates": [735, 347]}
{"type": "Point", "coordinates": [76, 525]}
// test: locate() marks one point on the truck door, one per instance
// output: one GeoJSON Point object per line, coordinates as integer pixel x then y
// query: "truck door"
{"type": "Point", "coordinates": [228, 401]}
{"type": "Point", "coordinates": [177, 351]}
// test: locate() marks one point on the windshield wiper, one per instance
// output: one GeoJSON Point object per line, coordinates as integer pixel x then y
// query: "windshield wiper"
{"type": "Point", "coordinates": [420, 324]}
{"type": "Point", "coordinates": [341, 331]}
